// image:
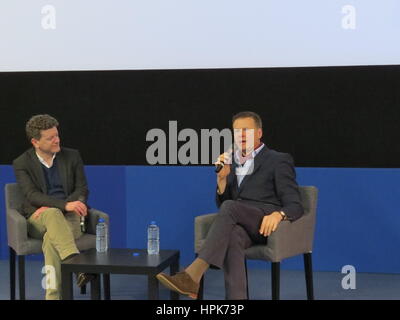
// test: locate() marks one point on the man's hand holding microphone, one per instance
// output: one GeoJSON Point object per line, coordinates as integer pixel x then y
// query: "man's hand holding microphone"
{"type": "Point", "coordinates": [80, 209]}
{"type": "Point", "coordinates": [223, 168]}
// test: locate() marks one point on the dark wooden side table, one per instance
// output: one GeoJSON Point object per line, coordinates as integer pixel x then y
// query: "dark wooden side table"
{"type": "Point", "coordinates": [118, 261]}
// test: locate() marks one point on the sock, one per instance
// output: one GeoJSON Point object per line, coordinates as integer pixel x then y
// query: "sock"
{"type": "Point", "coordinates": [197, 269]}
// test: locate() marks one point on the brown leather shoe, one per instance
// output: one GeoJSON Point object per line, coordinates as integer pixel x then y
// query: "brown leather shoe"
{"type": "Point", "coordinates": [181, 283]}
{"type": "Point", "coordinates": [84, 278]}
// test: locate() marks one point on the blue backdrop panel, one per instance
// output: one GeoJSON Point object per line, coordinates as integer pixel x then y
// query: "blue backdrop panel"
{"type": "Point", "coordinates": [358, 220]}
{"type": "Point", "coordinates": [107, 193]}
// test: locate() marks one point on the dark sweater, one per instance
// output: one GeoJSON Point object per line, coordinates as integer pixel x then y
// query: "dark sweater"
{"type": "Point", "coordinates": [53, 181]}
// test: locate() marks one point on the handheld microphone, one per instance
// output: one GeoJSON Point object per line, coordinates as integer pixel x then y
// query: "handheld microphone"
{"type": "Point", "coordinates": [82, 218]}
{"type": "Point", "coordinates": [83, 228]}
{"type": "Point", "coordinates": [220, 165]}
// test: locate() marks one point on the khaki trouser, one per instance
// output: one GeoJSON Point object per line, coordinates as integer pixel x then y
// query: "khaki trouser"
{"type": "Point", "coordinates": [58, 232]}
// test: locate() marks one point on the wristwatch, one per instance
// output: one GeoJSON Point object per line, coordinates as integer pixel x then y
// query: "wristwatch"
{"type": "Point", "coordinates": [283, 215]}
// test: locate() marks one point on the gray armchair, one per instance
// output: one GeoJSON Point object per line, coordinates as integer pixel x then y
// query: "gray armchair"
{"type": "Point", "coordinates": [290, 239]}
{"type": "Point", "coordinates": [20, 244]}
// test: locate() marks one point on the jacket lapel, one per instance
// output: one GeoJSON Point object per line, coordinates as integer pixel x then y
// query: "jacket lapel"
{"type": "Point", "coordinates": [233, 178]}
{"type": "Point", "coordinates": [62, 170]}
{"type": "Point", "coordinates": [38, 170]}
{"type": "Point", "coordinates": [258, 161]}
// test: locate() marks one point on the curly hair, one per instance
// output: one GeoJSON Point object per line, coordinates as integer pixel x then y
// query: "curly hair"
{"type": "Point", "coordinates": [37, 123]}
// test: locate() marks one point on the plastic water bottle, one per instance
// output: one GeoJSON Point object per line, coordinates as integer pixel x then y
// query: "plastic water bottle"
{"type": "Point", "coordinates": [153, 238]}
{"type": "Point", "coordinates": [101, 236]}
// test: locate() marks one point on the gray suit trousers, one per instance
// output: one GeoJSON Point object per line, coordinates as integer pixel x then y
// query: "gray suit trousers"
{"type": "Point", "coordinates": [234, 229]}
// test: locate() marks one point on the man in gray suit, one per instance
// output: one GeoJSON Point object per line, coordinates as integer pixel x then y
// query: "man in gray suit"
{"type": "Point", "coordinates": [53, 182]}
{"type": "Point", "coordinates": [254, 194]}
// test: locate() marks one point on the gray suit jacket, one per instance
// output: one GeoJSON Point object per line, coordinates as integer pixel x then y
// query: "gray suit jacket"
{"type": "Point", "coordinates": [271, 186]}
{"type": "Point", "coordinates": [30, 178]}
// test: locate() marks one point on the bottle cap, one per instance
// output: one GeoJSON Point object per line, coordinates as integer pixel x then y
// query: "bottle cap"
{"type": "Point", "coordinates": [101, 220]}
{"type": "Point", "coordinates": [153, 222]}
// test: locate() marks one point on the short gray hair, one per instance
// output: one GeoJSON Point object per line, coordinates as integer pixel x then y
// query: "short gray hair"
{"type": "Point", "coordinates": [248, 114]}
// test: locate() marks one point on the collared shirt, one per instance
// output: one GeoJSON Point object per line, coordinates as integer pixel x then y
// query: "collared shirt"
{"type": "Point", "coordinates": [44, 162]}
{"type": "Point", "coordinates": [245, 165]}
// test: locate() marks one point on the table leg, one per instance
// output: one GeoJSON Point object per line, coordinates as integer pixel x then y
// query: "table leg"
{"type": "Point", "coordinates": [12, 273]}
{"type": "Point", "coordinates": [173, 269]}
{"type": "Point", "coordinates": [152, 284]}
{"type": "Point", "coordinates": [66, 285]}
{"type": "Point", "coordinates": [106, 286]}
{"type": "Point", "coordinates": [95, 288]}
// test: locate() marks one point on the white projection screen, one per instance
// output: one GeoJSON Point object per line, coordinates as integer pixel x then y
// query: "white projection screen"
{"type": "Point", "coordinates": [60, 35]}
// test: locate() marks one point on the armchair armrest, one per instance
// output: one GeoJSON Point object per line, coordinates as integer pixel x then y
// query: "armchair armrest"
{"type": "Point", "coordinates": [94, 216]}
{"type": "Point", "coordinates": [17, 230]}
{"type": "Point", "coordinates": [291, 238]}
